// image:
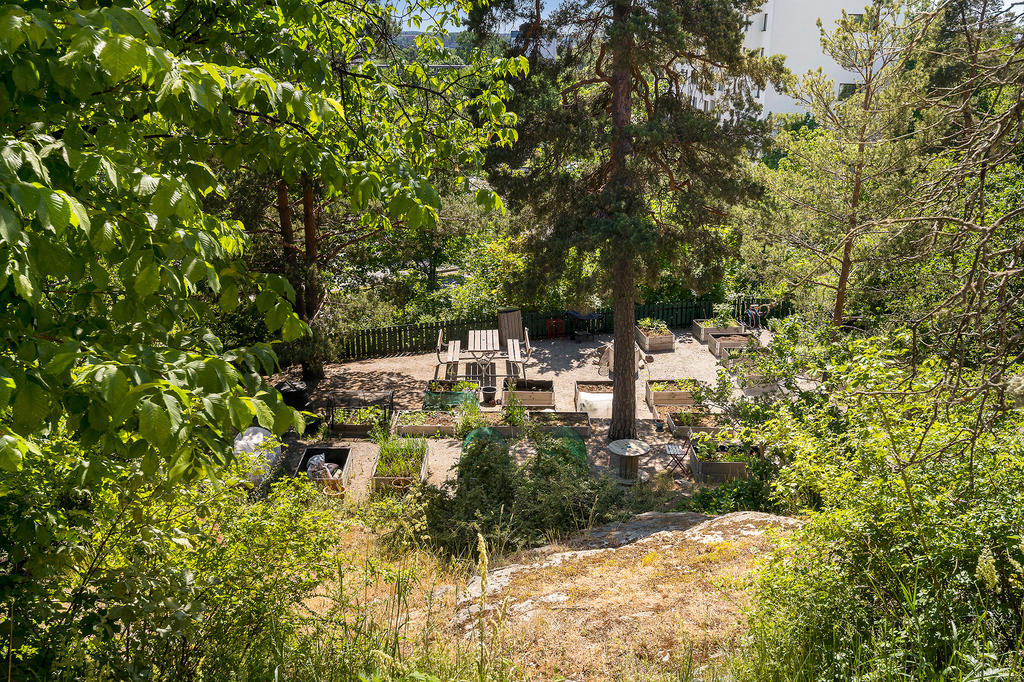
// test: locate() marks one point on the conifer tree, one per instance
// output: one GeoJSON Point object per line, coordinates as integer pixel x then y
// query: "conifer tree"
{"type": "Point", "coordinates": [617, 158]}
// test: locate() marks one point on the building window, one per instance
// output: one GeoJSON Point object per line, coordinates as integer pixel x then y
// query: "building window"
{"type": "Point", "coordinates": [761, 53]}
{"type": "Point", "coordinates": [705, 105]}
{"type": "Point", "coordinates": [764, 22]}
{"type": "Point", "coordinates": [847, 90]}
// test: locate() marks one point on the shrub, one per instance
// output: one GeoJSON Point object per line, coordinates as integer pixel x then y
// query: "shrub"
{"type": "Point", "coordinates": [515, 507]}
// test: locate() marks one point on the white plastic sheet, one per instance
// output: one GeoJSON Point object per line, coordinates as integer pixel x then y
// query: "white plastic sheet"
{"type": "Point", "coordinates": [597, 405]}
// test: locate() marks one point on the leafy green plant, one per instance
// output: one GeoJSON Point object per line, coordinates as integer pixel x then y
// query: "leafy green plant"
{"type": "Point", "coordinates": [371, 415]}
{"type": "Point", "coordinates": [468, 418]}
{"type": "Point", "coordinates": [401, 457]}
{"type": "Point", "coordinates": [441, 386]}
{"type": "Point", "coordinates": [722, 316]}
{"type": "Point", "coordinates": [513, 411]}
{"type": "Point", "coordinates": [653, 327]}
{"type": "Point", "coordinates": [686, 384]}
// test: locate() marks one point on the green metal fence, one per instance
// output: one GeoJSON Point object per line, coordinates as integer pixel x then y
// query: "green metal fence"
{"type": "Point", "coordinates": [418, 338]}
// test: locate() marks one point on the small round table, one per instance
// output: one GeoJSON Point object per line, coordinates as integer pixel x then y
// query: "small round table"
{"type": "Point", "coordinates": [629, 452]}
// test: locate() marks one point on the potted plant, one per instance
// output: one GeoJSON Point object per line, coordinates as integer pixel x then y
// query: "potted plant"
{"type": "Point", "coordinates": [654, 335]}
{"type": "Point", "coordinates": [538, 393]}
{"type": "Point", "coordinates": [400, 462]}
{"type": "Point", "coordinates": [425, 423]}
{"type": "Point", "coordinates": [722, 322]}
{"type": "Point", "coordinates": [357, 422]}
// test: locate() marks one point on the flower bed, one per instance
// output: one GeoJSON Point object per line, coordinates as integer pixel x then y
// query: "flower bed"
{"type": "Point", "coordinates": [664, 393]}
{"type": "Point", "coordinates": [721, 344]}
{"type": "Point", "coordinates": [444, 395]}
{"type": "Point", "coordinates": [549, 421]}
{"type": "Point", "coordinates": [686, 422]}
{"type": "Point", "coordinates": [357, 422]}
{"type": "Point", "coordinates": [425, 423]}
{"type": "Point", "coordinates": [530, 392]}
{"type": "Point", "coordinates": [399, 462]}
{"type": "Point", "coordinates": [654, 336]}
{"type": "Point", "coordinates": [710, 463]}
{"type": "Point", "coordinates": [702, 329]}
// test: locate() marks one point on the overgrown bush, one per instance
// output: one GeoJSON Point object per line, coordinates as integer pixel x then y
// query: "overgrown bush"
{"type": "Point", "coordinates": [911, 564]}
{"type": "Point", "coordinates": [515, 507]}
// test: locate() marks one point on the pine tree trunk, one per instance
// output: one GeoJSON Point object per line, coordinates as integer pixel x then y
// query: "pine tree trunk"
{"type": "Point", "coordinates": [624, 359]}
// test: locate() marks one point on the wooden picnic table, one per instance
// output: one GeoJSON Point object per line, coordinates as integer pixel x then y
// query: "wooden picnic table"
{"type": "Point", "coordinates": [483, 345]}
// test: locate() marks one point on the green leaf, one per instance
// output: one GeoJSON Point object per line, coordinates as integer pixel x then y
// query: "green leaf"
{"type": "Point", "coordinates": [229, 297]}
{"type": "Point", "coordinates": [264, 415]}
{"type": "Point", "coordinates": [148, 280]}
{"type": "Point", "coordinates": [31, 405]}
{"type": "Point", "coordinates": [154, 424]}
{"type": "Point", "coordinates": [10, 226]}
{"type": "Point", "coordinates": [241, 411]}
{"type": "Point", "coordinates": [12, 452]}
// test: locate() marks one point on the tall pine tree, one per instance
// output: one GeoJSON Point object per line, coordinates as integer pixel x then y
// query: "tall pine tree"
{"type": "Point", "coordinates": [616, 158]}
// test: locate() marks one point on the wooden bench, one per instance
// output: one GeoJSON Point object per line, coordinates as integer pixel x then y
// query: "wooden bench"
{"type": "Point", "coordinates": [452, 351]}
{"type": "Point", "coordinates": [515, 355]}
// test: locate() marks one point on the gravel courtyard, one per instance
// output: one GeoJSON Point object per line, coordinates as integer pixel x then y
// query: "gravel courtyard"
{"type": "Point", "coordinates": [561, 360]}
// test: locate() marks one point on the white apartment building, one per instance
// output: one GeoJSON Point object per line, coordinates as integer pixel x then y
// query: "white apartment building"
{"type": "Point", "coordinates": [790, 28]}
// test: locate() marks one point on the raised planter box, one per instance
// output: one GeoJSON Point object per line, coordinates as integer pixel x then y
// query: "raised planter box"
{"type": "Point", "coordinates": [339, 456]}
{"type": "Point", "coordinates": [593, 386]}
{"type": "Point", "coordinates": [397, 483]}
{"type": "Point", "coordinates": [744, 368]}
{"type": "Point", "coordinates": [531, 392]}
{"type": "Point", "coordinates": [703, 328]}
{"type": "Point", "coordinates": [706, 422]}
{"type": "Point", "coordinates": [351, 430]}
{"type": "Point", "coordinates": [721, 344]}
{"type": "Point", "coordinates": [654, 343]}
{"type": "Point", "coordinates": [676, 396]}
{"type": "Point", "coordinates": [577, 421]}
{"type": "Point", "coordinates": [493, 421]}
{"type": "Point", "coordinates": [715, 472]}
{"type": "Point", "coordinates": [428, 429]}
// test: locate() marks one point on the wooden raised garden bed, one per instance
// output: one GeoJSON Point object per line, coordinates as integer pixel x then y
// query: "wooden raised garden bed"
{"type": "Point", "coordinates": [654, 341]}
{"type": "Point", "coordinates": [443, 394]}
{"type": "Point", "coordinates": [530, 392]}
{"type": "Point", "coordinates": [338, 461]}
{"type": "Point", "coordinates": [356, 422]}
{"type": "Point", "coordinates": [495, 420]}
{"type": "Point", "coordinates": [686, 422]}
{"type": "Point", "coordinates": [714, 471]}
{"type": "Point", "coordinates": [721, 344]}
{"type": "Point", "coordinates": [702, 329]}
{"type": "Point", "coordinates": [593, 386]}
{"type": "Point", "coordinates": [425, 423]}
{"type": "Point", "coordinates": [743, 366]}
{"type": "Point", "coordinates": [400, 484]}
{"type": "Point", "coordinates": [549, 421]}
{"type": "Point", "coordinates": [670, 392]}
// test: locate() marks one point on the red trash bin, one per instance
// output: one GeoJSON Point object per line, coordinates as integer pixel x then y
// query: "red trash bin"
{"type": "Point", "coordinates": [554, 328]}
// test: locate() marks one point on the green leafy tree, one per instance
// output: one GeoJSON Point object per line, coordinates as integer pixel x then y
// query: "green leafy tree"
{"type": "Point", "coordinates": [614, 159]}
{"type": "Point", "coordinates": [114, 258]}
{"type": "Point", "coordinates": [840, 179]}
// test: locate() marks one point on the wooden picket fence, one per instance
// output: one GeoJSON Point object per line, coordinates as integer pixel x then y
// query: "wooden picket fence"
{"type": "Point", "coordinates": [418, 338]}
